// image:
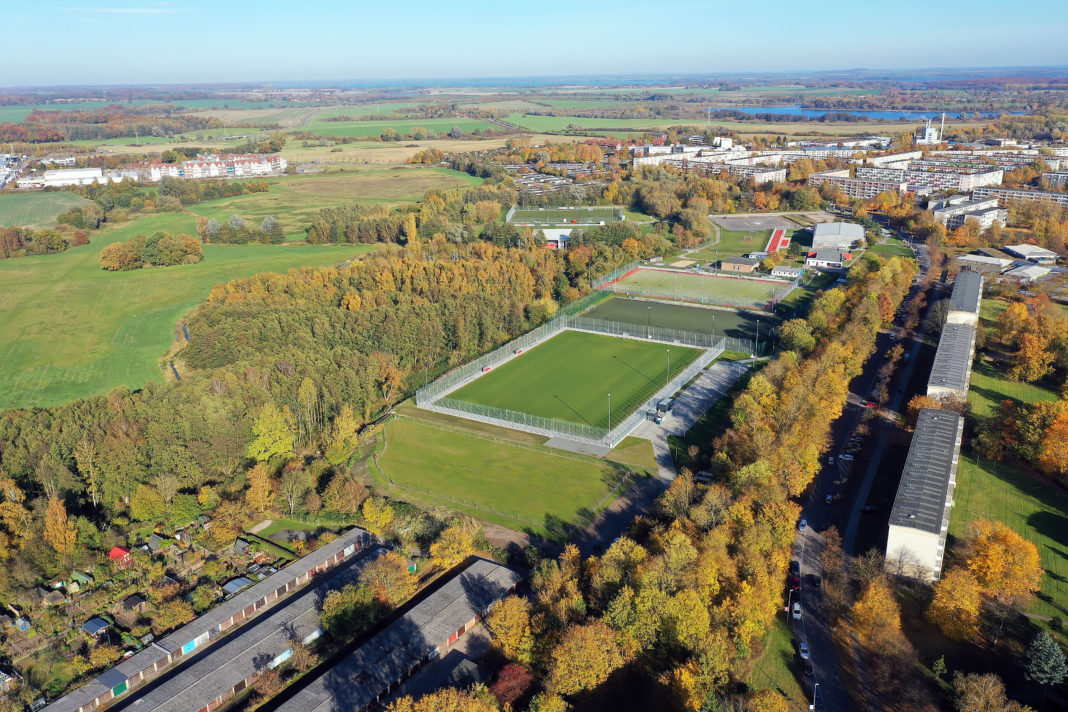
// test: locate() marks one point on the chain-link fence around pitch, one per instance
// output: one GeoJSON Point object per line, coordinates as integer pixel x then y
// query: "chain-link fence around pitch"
{"type": "Point", "coordinates": [435, 396]}
{"type": "Point", "coordinates": [719, 288]}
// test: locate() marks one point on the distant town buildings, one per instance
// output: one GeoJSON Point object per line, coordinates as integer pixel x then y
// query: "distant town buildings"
{"type": "Point", "coordinates": [215, 166]}
{"type": "Point", "coordinates": [1033, 253]}
{"type": "Point", "coordinates": [1008, 195]}
{"type": "Point", "coordinates": [863, 188]}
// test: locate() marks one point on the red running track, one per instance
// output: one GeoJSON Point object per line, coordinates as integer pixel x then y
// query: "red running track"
{"type": "Point", "coordinates": [778, 241]}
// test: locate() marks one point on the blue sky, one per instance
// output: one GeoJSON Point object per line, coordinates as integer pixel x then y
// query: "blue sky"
{"type": "Point", "coordinates": [172, 41]}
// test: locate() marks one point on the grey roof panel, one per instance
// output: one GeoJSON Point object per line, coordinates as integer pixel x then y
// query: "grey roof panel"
{"type": "Point", "coordinates": [953, 361]}
{"type": "Point", "coordinates": [967, 292]}
{"type": "Point", "coordinates": [927, 482]}
{"type": "Point", "coordinates": [361, 677]}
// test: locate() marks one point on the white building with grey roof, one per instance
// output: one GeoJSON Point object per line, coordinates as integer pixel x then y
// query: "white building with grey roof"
{"type": "Point", "coordinates": [966, 299]}
{"type": "Point", "coordinates": [839, 235]}
{"type": "Point", "coordinates": [919, 521]}
{"type": "Point", "coordinates": [952, 369]}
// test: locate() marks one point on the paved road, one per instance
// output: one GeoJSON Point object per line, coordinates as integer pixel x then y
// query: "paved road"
{"type": "Point", "coordinates": [847, 496]}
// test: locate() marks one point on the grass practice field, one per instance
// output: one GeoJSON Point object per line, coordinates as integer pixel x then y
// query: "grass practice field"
{"type": "Point", "coordinates": [561, 216]}
{"type": "Point", "coordinates": [697, 287]}
{"type": "Point", "coordinates": [35, 210]}
{"type": "Point", "coordinates": [520, 487]}
{"type": "Point", "coordinates": [68, 329]}
{"type": "Point", "coordinates": [294, 201]}
{"type": "Point", "coordinates": [570, 376]}
{"type": "Point", "coordinates": [738, 323]}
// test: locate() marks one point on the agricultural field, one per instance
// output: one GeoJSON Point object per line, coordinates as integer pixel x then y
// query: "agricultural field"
{"type": "Point", "coordinates": [570, 376]}
{"type": "Point", "coordinates": [68, 329]}
{"type": "Point", "coordinates": [36, 210]}
{"type": "Point", "coordinates": [294, 201]}
{"type": "Point", "coordinates": [523, 487]}
{"type": "Point", "coordinates": [393, 151]}
{"type": "Point", "coordinates": [737, 323]}
{"type": "Point", "coordinates": [366, 129]}
{"type": "Point", "coordinates": [561, 216]}
{"type": "Point", "coordinates": [706, 289]}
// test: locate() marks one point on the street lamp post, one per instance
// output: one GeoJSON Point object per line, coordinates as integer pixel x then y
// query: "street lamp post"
{"type": "Point", "coordinates": [609, 412]}
{"type": "Point", "coordinates": [667, 375]}
{"type": "Point", "coordinates": [649, 321]}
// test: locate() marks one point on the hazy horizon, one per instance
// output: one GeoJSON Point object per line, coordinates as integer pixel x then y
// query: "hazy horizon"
{"type": "Point", "coordinates": [127, 42]}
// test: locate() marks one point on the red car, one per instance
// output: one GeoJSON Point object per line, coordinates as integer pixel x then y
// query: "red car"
{"type": "Point", "coordinates": [871, 404]}
{"type": "Point", "coordinates": [795, 583]}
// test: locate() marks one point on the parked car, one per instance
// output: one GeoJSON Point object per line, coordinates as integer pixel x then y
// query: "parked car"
{"type": "Point", "coordinates": [803, 524]}
{"type": "Point", "coordinates": [829, 499]}
{"type": "Point", "coordinates": [814, 580]}
{"type": "Point", "coordinates": [830, 460]}
{"type": "Point", "coordinates": [847, 457]}
{"type": "Point", "coordinates": [871, 404]}
{"type": "Point", "coordinates": [797, 611]}
{"type": "Point", "coordinates": [804, 650]}
{"type": "Point", "coordinates": [869, 508]}
{"type": "Point", "coordinates": [809, 672]}
{"type": "Point", "coordinates": [795, 568]}
{"type": "Point", "coordinates": [795, 583]}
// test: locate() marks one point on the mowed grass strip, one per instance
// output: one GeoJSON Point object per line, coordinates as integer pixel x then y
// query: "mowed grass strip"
{"type": "Point", "coordinates": [570, 376]}
{"type": "Point", "coordinates": [69, 329]}
{"type": "Point", "coordinates": [687, 285]}
{"type": "Point", "coordinates": [516, 487]}
{"type": "Point", "coordinates": [36, 209]}
{"type": "Point", "coordinates": [1033, 509]}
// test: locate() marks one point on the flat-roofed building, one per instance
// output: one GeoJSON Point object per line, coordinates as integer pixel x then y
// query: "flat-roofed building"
{"type": "Point", "coordinates": [966, 299]}
{"type": "Point", "coordinates": [1009, 195]}
{"type": "Point", "coordinates": [1027, 274]}
{"type": "Point", "coordinates": [919, 520]}
{"type": "Point", "coordinates": [839, 235]}
{"type": "Point", "coordinates": [739, 264]}
{"type": "Point", "coordinates": [1033, 253]}
{"type": "Point", "coordinates": [1056, 179]}
{"type": "Point", "coordinates": [425, 632]}
{"type": "Point", "coordinates": [856, 187]}
{"type": "Point", "coordinates": [952, 369]}
{"type": "Point", "coordinates": [985, 262]}
{"type": "Point", "coordinates": [954, 214]}
{"type": "Point", "coordinates": [208, 628]}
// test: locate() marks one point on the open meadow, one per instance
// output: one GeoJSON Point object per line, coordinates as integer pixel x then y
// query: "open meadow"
{"type": "Point", "coordinates": [523, 487]}
{"type": "Point", "coordinates": [36, 210]}
{"type": "Point", "coordinates": [69, 329]}
{"type": "Point", "coordinates": [570, 376]}
{"type": "Point", "coordinates": [294, 200]}
{"type": "Point", "coordinates": [402, 126]}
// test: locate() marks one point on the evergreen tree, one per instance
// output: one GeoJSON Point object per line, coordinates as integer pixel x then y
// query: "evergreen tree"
{"type": "Point", "coordinates": [1045, 662]}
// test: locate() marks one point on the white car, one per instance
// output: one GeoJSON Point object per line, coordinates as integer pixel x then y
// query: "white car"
{"type": "Point", "coordinates": [847, 457]}
{"type": "Point", "coordinates": [830, 460]}
{"type": "Point", "coordinates": [804, 650]}
{"type": "Point", "coordinates": [797, 611]}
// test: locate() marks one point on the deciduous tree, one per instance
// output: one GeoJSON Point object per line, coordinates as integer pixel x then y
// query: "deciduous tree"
{"type": "Point", "coordinates": [957, 602]}
{"type": "Point", "coordinates": [271, 434]}
{"type": "Point", "coordinates": [509, 624]}
{"type": "Point", "coordinates": [584, 658]}
{"type": "Point", "coordinates": [389, 578]}
{"type": "Point", "coordinates": [59, 531]}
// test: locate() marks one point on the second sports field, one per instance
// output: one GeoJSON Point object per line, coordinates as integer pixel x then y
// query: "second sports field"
{"type": "Point", "coordinates": [570, 376]}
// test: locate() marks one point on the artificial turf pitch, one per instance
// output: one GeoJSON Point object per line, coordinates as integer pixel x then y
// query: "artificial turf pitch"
{"type": "Point", "coordinates": [697, 287]}
{"type": "Point", "coordinates": [570, 376]}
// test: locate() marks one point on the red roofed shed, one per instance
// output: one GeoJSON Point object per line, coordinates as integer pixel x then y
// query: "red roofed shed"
{"type": "Point", "coordinates": [120, 554]}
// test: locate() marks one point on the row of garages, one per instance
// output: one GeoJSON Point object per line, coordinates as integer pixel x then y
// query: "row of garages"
{"type": "Point", "coordinates": [207, 629]}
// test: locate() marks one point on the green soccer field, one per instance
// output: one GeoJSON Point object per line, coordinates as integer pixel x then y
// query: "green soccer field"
{"type": "Point", "coordinates": [556, 216]}
{"type": "Point", "coordinates": [696, 287]}
{"type": "Point", "coordinates": [570, 376]}
{"type": "Point", "coordinates": [736, 323]}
